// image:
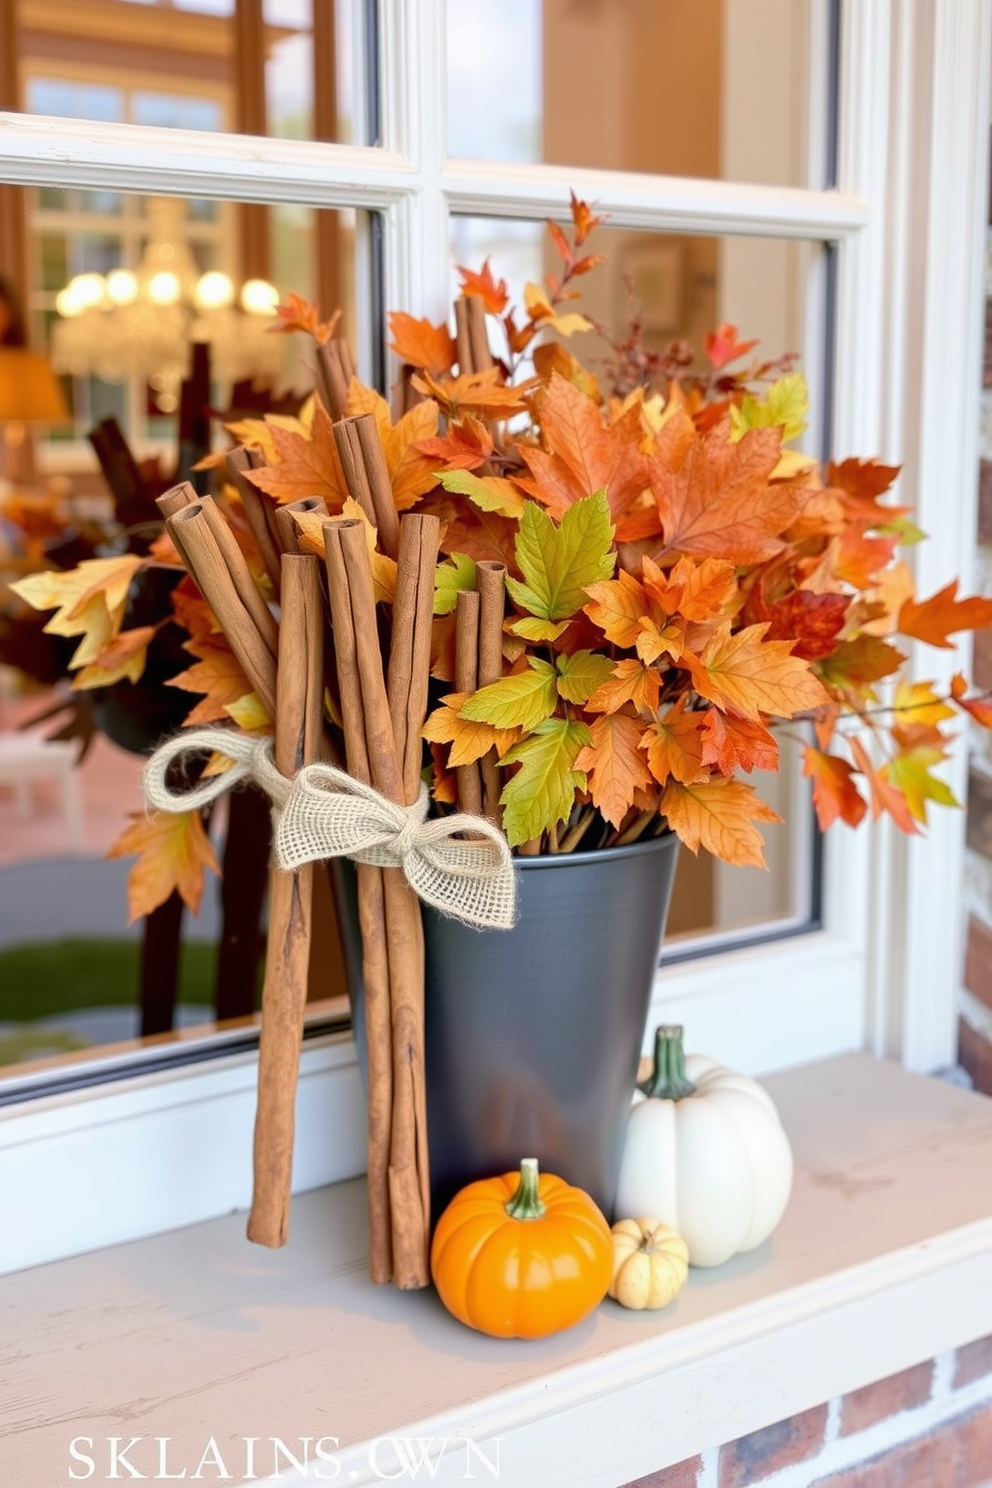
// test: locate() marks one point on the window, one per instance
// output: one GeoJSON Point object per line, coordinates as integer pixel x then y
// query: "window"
{"type": "Point", "coordinates": [887, 294]}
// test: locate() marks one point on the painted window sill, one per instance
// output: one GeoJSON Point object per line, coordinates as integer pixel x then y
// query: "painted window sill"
{"type": "Point", "coordinates": [884, 1259]}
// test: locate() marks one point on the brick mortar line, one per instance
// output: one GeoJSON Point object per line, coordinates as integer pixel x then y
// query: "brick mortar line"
{"type": "Point", "coordinates": [975, 1013]}
{"type": "Point", "coordinates": [944, 1405]}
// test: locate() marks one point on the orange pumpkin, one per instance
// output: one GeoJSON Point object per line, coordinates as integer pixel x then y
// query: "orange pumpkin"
{"type": "Point", "coordinates": [521, 1256]}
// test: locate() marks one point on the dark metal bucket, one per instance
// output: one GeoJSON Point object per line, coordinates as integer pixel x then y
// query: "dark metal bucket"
{"type": "Point", "coordinates": [533, 1035]}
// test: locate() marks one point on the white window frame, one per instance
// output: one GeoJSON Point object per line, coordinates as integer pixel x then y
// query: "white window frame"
{"type": "Point", "coordinates": [158, 1151]}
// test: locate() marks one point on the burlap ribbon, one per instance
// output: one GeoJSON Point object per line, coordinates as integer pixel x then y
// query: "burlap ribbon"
{"type": "Point", "coordinates": [322, 812]}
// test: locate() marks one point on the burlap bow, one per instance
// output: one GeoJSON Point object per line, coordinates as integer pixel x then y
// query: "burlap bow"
{"type": "Point", "coordinates": [322, 812]}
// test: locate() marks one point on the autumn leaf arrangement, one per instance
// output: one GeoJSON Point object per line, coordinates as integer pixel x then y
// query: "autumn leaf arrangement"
{"type": "Point", "coordinates": [639, 582]}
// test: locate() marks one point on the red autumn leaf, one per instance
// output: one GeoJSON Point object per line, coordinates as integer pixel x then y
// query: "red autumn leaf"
{"type": "Point", "coordinates": [421, 344]}
{"type": "Point", "coordinates": [466, 445]}
{"type": "Point", "coordinates": [493, 295]}
{"type": "Point", "coordinates": [934, 619]}
{"type": "Point", "coordinates": [813, 621]}
{"type": "Point", "coordinates": [616, 767]}
{"type": "Point", "coordinates": [834, 792]}
{"type": "Point", "coordinates": [723, 347]}
{"type": "Point", "coordinates": [980, 708]}
{"type": "Point", "coordinates": [715, 497]}
{"type": "Point", "coordinates": [737, 744]}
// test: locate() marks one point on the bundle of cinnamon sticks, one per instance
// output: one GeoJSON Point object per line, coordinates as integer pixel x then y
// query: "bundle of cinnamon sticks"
{"type": "Point", "coordinates": [305, 671]}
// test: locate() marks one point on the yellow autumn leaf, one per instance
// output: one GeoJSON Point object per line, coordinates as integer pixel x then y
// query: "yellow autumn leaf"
{"type": "Point", "coordinates": [250, 714]}
{"type": "Point", "coordinates": [122, 660]}
{"type": "Point", "coordinates": [89, 601]}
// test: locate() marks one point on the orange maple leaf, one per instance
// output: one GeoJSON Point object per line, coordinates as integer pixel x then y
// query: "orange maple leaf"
{"type": "Point", "coordinates": [307, 466]}
{"type": "Point", "coordinates": [934, 619]}
{"type": "Point", "coordinates": [674, 746]}
{"type": "Point", "coordinates": [123, 659]}
{"type": "Point", "coordinates": [297, 314]}
{"type": "Point", "coordinates": [217, 675]}
{"type": "Point", "coordinates": [469, 740]}
{"type": "Point", "coordinates": [733, 744]}
{"type": "Point", "coordinates": [494, 296]}
{"type": "Point", "coordinates": [480, 535]}
{"type": "Point", "coordinates": [749, 676]}
{"type": "Point", "coordinates": [834, 792]}
{"type": "Point", "coordinates": [616, 766]}
{"type": "Point", "coordinates": [421, 343]}
{"type": "Point", "coordinates": [584, 219]}
{"type": "Point", "coordinates": [483, 393]}
{"type": "Point", "coordinates": [466, 445]}
{"type": "Point", "coordinates": [716, 498]}
{"type": "Point", "coordinates": [980, 707]}
{"type": "Point", "coordinates": [719, 815]}
{"type": "Point", "coordinates": [696, 590]}
{"type": "Point", "coordinates": [884, 797]}
{"type": "Point", "coordinates": [616, 606]}
{"type": "Point", "coordinates": [632, 682]}
{"type": "Point", "coordinates": [583, 453]}
{"type": "Point", "coordinates": [173, 850]}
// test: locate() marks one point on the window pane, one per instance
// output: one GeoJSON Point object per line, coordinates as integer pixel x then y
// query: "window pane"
{"type": "Point", "coordinates": [710, 88]}
{"type": "Point", "coordinates": [279, 67]}
{"type": "Point", "coordinates": [70, 965]}
{"type": "Point", "coordinates": [680, 288]}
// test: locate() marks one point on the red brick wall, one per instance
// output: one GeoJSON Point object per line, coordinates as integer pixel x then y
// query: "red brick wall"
{"type": "Point", "coordinates": [975, 1024]}
{"type": "Point", "coordinates": [928, 1427]}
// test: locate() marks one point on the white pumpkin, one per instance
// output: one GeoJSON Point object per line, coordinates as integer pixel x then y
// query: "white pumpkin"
{"type": "Point", "coordinates": [705, 1153]}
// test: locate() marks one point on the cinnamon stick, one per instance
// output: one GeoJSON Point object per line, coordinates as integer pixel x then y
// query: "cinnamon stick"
{"type": "Point", "coordinates": [409, 656]}
{"type": "Point", "coordinates": [353, 466]}
{"type": "Point", "coordinates": [299, 709]}
{"type": "Point", "coordinates": [490, 578]}
{"type": "Point", "coordinates": [286, 529]}
{"type": "Point", "coordinates": [175, 499]}
{"type": "Point", "coordinates": [195, 540]}
{"type": "Point", "coordinates": [463, 336]}
{"type": "Point", "coordinates": [386, 517]}
{"type": "Point", "coordinates": [407, 1171]}
{"type": "Point", "coordinates": [478, 340]}
{"type": "Point", "coordinates": [333, 377]}
{"type": "Point", "coordinates": [256, 510]}
{"type": "Point", "coordinates": [371, 914]}
{"type": "Point", "coordinates": [241, 576]}
{"type": "Point", "coordinates": [467, 680]}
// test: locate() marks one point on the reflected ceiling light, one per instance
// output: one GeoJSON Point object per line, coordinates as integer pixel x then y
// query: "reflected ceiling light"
{"type": "Point", "coordinates": [143, 323]}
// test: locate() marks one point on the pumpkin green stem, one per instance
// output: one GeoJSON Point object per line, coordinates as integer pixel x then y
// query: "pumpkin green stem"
{"type": "Point", "coordinates": [526, 1202]}
{"type": "Point", "coordinates": [668, 1080]}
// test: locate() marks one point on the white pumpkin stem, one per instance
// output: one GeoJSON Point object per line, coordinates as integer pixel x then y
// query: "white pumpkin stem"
{"type": "Point", "coordinates": [668, 1080]}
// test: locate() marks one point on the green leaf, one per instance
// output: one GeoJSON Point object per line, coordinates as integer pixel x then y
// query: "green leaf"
{"type": "Point", "coordinates": [529, 628]}
{"type": "Point", "coordinates": [521, 701]}
{"type": "Point", "coordinates": [903, 529]}
{"type": "Point", "coordinates": [489, 493]}
{"type": "Point", "coordinates": [786, 405]}
{"type": "Point", "coordinates": [559, 563]}
{"type": "Point", "coordinates": [542, 792]}
{"type": "Point", "coordinates": [581, 674]}
{"type": "Point", "coordinates": [449, 579]}
{"type": "Point", "coordinates": [910, 773]}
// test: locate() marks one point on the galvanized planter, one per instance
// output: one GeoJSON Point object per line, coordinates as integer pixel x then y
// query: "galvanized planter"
{"type": "Point", "coordinates": [533, 1035]}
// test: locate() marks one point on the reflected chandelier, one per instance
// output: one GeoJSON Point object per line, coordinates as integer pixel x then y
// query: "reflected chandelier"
{"type": "Point", "coordinates": [142, 323]}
